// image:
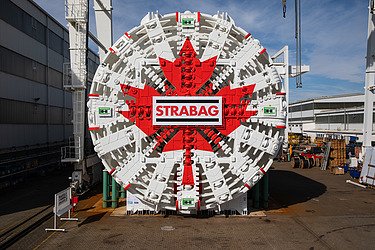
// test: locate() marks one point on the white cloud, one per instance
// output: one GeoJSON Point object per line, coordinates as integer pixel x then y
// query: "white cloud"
{"type": "Point", "coordinates": [333, 32]}
{"type": "Point", "coordinates": [335, 36]}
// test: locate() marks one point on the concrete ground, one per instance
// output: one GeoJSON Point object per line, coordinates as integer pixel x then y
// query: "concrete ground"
{"type": "Point", "coordinates": [25, 200]}
{"type": "Point", "coordinates": [30, 196]}
{"type": "Point", "coordinates": [309, 209]}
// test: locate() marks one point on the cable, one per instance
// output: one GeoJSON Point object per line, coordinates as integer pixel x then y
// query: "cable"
{"type": "Point", "coordinates": [297, 9]}
{"type": "Point", "coordinates": [300, 43]}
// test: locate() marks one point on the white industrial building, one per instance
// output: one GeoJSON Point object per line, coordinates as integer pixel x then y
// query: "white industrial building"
{"type": "Point", "coordinates": [341, 114]}
{"type": "Point", "coordinates": [34, 108]}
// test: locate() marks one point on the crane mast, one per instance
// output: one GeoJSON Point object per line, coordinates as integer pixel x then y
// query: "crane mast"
{"type": "Point", "coordinates": [369, 80]}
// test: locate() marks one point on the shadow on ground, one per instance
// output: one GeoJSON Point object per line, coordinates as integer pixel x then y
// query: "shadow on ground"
{"type": "Point", "coordinates": [39, 192]}
{"type": "Point", "coordinates": [92, 218]}
{"type": "Point", "coordinates": [288, 188]}
{"type": "Point", "coordinates": [36, 191]}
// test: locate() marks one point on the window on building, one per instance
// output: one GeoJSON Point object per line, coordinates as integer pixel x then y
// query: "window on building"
{"type": "Point", "coordinates": [295, 108]}
{"type": "Point", "coordinates": [32, 113]}
{"type": "Point", "coordinates": [321, 119]}
{"type": "Point", "coordinates": [21, 20]}
{"type": "Point", "coordinates": [307, 106]}
{"type": "Point", "coordinates": [55, 42]}
{"type": "Point", "coordinates": [355, 118]}
{"type": "Point", "coordinates": [16, 64]}
{"type": "Point", "coordinates": [336, 119]}
{"type": "Point", "coordinates": [337, 105]}
{"type": "Point", "coordinates": [55, 78]}
{"type": "Point", "coordinates": [66, 50]}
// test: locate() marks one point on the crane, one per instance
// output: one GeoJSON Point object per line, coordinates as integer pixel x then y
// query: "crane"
{"type": "Point", "coordinates": [75, 79]}
{"type": "Point", "coordinates": [368, 169]}
{"type": "Point", "coordinates": [297, 10]}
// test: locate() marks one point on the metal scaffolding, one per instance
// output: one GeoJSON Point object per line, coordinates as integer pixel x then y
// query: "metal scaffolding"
{"type": "Point", "coordinates": [76, 13]}
{"type": "Point", "coordinates": [75, 74]}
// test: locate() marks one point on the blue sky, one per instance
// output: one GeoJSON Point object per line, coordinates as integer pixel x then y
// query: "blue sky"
{"type": "Point", "coordinates": [334, 34]}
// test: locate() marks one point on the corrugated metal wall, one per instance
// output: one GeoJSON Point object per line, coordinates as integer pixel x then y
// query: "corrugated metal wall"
{"type": "Point", "coordinates": [13, 112]}
{"type": "Point", "coordinates": [34, 108]}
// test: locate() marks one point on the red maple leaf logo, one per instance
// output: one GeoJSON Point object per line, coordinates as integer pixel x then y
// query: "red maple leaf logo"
{"type": "Point", "coordinates": [188, 76]}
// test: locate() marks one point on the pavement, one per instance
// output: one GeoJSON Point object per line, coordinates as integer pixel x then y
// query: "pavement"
{"type": "Point", "coordinates": [309, 209]}
{"type": "Point", "coordinates": [27, 199]}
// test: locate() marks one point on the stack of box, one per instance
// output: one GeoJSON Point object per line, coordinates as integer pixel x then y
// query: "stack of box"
{"type": "Point", "coordinates": [337, 156]}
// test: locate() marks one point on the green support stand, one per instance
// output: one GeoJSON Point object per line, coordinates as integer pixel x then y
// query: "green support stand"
{"type": "Point", "coordinates": [122, 192]}
{"type": "Point", "coordinates": [114, 193]}
{"type": "Point", "coordinates": [105, 188]}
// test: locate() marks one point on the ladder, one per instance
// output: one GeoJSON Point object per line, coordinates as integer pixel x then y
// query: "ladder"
{"type": "Point", "coordinates": [326, 156]}
{"type": "Point", "coordinates": [75, 75]}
